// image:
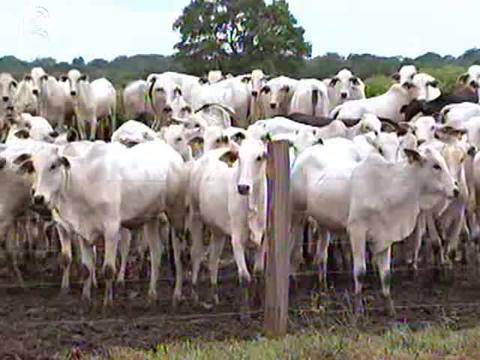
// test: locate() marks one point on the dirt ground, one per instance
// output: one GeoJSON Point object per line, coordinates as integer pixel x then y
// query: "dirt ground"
{"type": "Point", "coordinates": [37, 323]}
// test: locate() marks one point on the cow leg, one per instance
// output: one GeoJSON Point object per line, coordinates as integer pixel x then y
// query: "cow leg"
{"type": "Point", "coordinates": [88, 262]}
{"type": "Point", "coordinates": [93, 129]}
{"type": "Point", "coordinates": [382, 260]}
{"type": "Point", "coordinates": [295, 245]}
{"type": "Point", "coordinates": [196, 251]}
{"type": "Point", "coordinates": [215, 252]}
{"type": "Point", "coordinates": [358, 244]}
{"type": "Point", "coordinates": [435, 241]}
{"type": "Point", "coordinates": [113, 122]}
{"type": "Point", "coordinates": [177, 256]}
{"type": "Point", "coordinates": [65, 258]}
{"type": "Point", "coordinates": [454, 236]}
{"type": "Point", "coordinates": [112, 238]}
{"type": "Point", "coordinates": [11, 247]}
{"type": "Point", "coordinates": [239, 239]}
{"type": "Point", "coordinates": [81, 128]}
{"type": "Point", "coordinates": [322, 257]}
{"type": "Point", "coordinates": [151, 234]}
{"type": "Point", "coordinates": [416, 238]}
{"type": "Point", "coordinates": [125, 241]}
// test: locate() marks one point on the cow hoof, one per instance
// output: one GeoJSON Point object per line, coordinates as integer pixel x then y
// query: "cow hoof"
{"type": "Point", "coordinates": [64, 292]}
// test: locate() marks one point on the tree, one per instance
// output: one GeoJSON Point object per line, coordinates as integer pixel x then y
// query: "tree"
{"type": "Point", "coordinates": [78, 62]}
{"type": "Point", "coordinates": [238, 35]}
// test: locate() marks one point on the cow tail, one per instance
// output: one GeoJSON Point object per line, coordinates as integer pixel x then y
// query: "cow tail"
{"type": "Point", "coordinates": [314, 101]}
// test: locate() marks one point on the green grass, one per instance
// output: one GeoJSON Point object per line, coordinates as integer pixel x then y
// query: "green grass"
{"type": "Point", "coordinates": [398, 343]}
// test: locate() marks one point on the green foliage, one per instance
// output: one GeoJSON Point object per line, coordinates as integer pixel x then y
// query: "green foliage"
{"type": "Point", "coordinates": [239, 35]}
{"type": "Point", "coordinates": [377, 85]}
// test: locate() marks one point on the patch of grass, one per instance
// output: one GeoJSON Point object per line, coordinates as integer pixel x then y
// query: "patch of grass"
{"type": "Point", "coordinates": [399, 342]}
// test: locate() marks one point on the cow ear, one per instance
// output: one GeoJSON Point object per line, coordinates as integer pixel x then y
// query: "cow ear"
{"type": "Point", "coordinates": [229, 157]}
{"type": "Point", "coordinates": [53, 134]}
{"type": "Point", "coordinates": [286, 88]}
{"type": "Point", "coordinates": [26, 168]}
{"type": "Point", "coordinates": [83, 77]}
{"type": "Point", "coordinates": [266, 138]}
{"type": "Point", "coordinates": [463, 78]}
{"type": "Point", "coordinates": [265, 89]}
{"type": "Point", "coordinates": [319, 141]}
{"type": "Point", "coordinates": [22, 134]}
{"type": "Point", "coordinates": [22, 158]}
{"type": "Point", "coordinates": [413, 156]}
{"type": "Point", "coordinates": [72, 135]}
{"type": "Point", "coordinates": [177, 92]}
{"type": "Point", "coordinates": [63, 78]}
{"type": "Point", "coordinates": [64, 161]}
{"type": "Point", "coordinates": [333, 82]}
{"type": "Point", "coordinates": [396, 77]}
{"type": "Point", "coordinates": [238, 137]}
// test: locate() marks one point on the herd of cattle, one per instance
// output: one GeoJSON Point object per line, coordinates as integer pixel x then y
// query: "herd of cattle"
{"type": "Point", "coordinates": [402, 166]}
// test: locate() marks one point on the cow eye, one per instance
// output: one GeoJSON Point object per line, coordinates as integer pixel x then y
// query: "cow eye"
{"type": "Point", "coordinates": [434, 84]}
{"type": "Point", "coordinates": [437, 167]}
{"type": "Point", "coordinates": [187, 109]}
{"type": "Point", "coordinates": [380, 151]}
{"type": "Point", "coordinates": [259, 158]}
{"type": "Point", "coordinates": [197, 125]}
{"type": "Point", "coordinates": [432, 128]}
{"type": "Point", "coordinates": [178, 139]}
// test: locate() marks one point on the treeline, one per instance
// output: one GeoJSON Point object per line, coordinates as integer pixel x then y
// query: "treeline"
{"type": "Point", "coordinates": [376, 70]}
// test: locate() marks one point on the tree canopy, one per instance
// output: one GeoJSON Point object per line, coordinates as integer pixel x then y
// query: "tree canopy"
{"type": "Point", "coordinates": [238, 35]}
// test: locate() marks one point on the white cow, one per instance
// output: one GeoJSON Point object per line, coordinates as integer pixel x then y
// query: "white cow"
{"type": "Point", "coordinates": [54, 101]}
{"type": "Point", "coordinates": [310, 98]}
{"type": "Point", "coordinates": [8, 87]}
{"type": "Point", "coordinates": [93, 102]}
{"type": "Point", "coordinates": [229, 196]}
{"type": "Point", "coordinates": [341, 192]}
{"type": "Point", "coordinates": [256, 80]}
{"type": "Point", "coordinates": [276, 95]}
{"type": "Point", "coordinates": [132, 133]}
{"type": "Point", "coordinates": [117, 197]}
{"type": "Point", "coordinates": [136, 103]}
{"type": "Point", "coordinates": [456, 114]}
{"type": "Point", "coordinates": [388, 105]}
{"type": "Point", "coordinates": [343, 87]}
{"type": "Point", "coordinates": [232, 93]}
{"type": "Point", "coordinates": [25, 101]}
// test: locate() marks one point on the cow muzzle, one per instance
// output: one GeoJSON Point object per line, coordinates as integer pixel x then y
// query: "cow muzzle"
{"type": "Point", "coordinates": [273, 106]}
{"type": "Point", "coordinates": [35, 92]}
{"type": "Point", "coordinates": [73, 93]}
{"type": "Point", "coordinates": [243, 189]}
{"type": "Point", "coordinates": [344, 95]}
{"type": "Point", "coordinates": [38, 200]}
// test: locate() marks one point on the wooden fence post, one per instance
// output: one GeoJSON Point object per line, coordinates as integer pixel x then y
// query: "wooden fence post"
{"type": "Point", "coordinates": [278, 221]}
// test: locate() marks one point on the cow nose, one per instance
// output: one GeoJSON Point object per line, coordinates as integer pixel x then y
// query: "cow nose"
{"type": "Point", "coordinates": [5, 98]}
{"type": "Point", "coordinates": [243, 189]}
{"type": "Point", "coordinates": [273, 105]}
{"type": "Point", "coordinates": [38, 199]}
{"type": "Point", "coordinates": [35, 92]}
{"type": "Point", "coordinates": [344, 95]}
{"type": "Point", "coordinates": [254, 93]}
{"type": "Point", "coordinates": [167, 109]}
{"type": "Point", "coordinates": [73, 93]}
{"type": "Point", "coordinates": [456, 192]}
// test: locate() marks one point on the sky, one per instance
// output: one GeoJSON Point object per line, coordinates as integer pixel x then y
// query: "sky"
{"type": "Point", "coordinates": [64, 29]}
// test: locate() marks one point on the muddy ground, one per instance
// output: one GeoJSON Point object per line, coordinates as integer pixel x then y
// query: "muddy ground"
{"type": "Point", "coordinates": [38, 323]}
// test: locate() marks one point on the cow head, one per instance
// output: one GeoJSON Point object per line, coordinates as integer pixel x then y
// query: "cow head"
{"type": "Point", "coordinates": [49, 169]}
{"type": "Point", "coordinates": [250, 159]}
{"type": "Point", "coordinates": [433, 176]}
{"type": "Point", "coordinates": [345, 86]}
{"type": "Point", "coordinates": [422, 87]}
